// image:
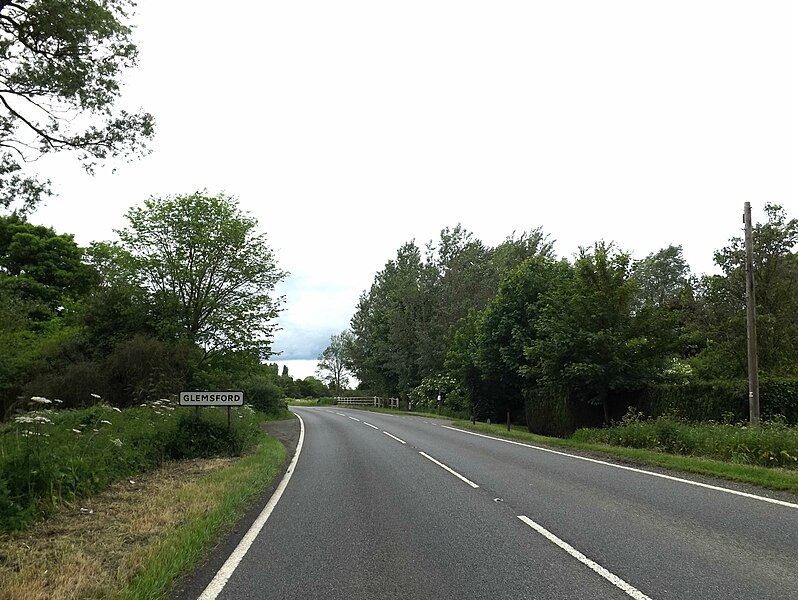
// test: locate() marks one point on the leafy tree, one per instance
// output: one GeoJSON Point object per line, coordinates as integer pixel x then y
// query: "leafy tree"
{"type": "Point", "coordinates": [503, 332]}
{"type": "Point", "coordinates": [776, 290]}
{"type": "Point", "coordinates": [592, 339]}
{"type": "Point", "coordinates": [40, 266]}
{"type": "Point", "coordinates": [405, 324]}
{"type": "Point", "coordinates": [385, 349]}
{"type": "Point", "coordinates": [334, 359]}
{"type": "Point", "coordinates": [60, 77]}
{"type": "Point", "coordinates": [202, 262]}
{"type": "Point", "coordinates": [662, 276]}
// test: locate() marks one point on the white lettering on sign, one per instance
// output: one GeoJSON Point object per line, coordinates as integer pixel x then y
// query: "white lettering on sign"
{"type": "Point", "coordinates": [212, 398]}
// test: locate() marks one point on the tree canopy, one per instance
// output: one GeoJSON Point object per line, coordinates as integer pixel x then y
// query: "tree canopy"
{"type": "Point", "coordinates": [60, 68]}
{"type": "Point", "coordinates": [206, 269]}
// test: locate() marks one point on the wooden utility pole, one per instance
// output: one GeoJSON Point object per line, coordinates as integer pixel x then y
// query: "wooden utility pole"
{"type": "Point", "coordinates": [750, 303]}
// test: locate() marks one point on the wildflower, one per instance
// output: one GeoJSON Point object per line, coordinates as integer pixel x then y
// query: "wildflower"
{"type": "Point", "coordinates": [97, 396]}
{"type": "Point", "coordinates": [41, 419]}
{"type": "Point", "coordinates": [58, 401]}
{"type": "Point", "coordinates": [40, 400]}
{"type": "Point", "coordinates": [76, 430]}
{"type": "Point", "coordinates": [117, 442]}
{"type": "Point", "coordinates": [23, 419]}
{"type": "Point", "coordinates": [105, 422]}
{"type": "Point", "coordinates": [119, 410]}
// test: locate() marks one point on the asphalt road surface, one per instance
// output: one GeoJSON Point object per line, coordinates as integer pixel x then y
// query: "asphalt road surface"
{"type": "Point", "coordinates": [386, 506]}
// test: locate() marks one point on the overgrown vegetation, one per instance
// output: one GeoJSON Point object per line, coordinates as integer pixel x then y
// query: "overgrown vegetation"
{"type": "Point", "coordinates": [774, 444]}
{"type": "Point", "coordinates": [52, 457]}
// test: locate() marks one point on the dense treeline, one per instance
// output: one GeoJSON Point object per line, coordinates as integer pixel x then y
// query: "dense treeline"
{"type": "Point", "coordinates": [185, 300]}
{"type": "Point", "coordinates": [563, 342]}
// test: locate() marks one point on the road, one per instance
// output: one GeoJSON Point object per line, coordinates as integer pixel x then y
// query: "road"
{"type": "Point", "coordinates": [388, 506]}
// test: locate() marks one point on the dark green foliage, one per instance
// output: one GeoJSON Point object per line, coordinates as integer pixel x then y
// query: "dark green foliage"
{"type": "Point", "coordinates": [720, 400]}
{"type": "Point", "coordinates": [406, 323]}
{"type": "Point", "coordinates": [144, 369]}
{"type": "Point", "coordinates": [722, 316]}
{"type": "Point", "coordinates": [552, 412]}
{"type": "Point", "coordinates": [73, 383]}
{"type": "Point", "coordinates": [593, 338]}
{"type": "Point", "coordinates": [40, 267]}
{"type": "Point", "coordinates": [198, 437]}
{"type": "Point", "coordinates": [263, 394]}
{"type": "Point", "coordinates": [697, 401]}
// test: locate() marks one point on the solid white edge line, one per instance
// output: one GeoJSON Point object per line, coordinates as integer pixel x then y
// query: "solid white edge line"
{"type": "Point", "coordinates": [634, 470]}
{"type": "Point", "coordinates": [612, 578]}
{"type": "Point", "coordinates": [452, 471]}
{"type": "Point", "coordinates": [223, 575]}
{"type": "Point", "coordinates": [370, 425]}
{"type": "Point", "coordinates": [394, 437]}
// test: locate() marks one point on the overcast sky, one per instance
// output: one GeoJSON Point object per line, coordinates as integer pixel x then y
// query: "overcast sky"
{"type": "Point", "coordinates": [348, 128]}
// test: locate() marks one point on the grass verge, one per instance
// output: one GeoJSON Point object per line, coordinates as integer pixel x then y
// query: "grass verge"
{"type": "Point", "coordinates": [770, 478]}
{"type": "Point", "coordinates": [133, 540]}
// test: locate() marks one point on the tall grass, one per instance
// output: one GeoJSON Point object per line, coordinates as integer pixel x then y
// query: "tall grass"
{"type": "Point", "coordinates": [774, 444]}
{"type": "Point", "coordinates": [50, 457]}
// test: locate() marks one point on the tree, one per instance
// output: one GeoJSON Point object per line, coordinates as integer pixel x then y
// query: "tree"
{"type": "Point", "coordinates": [385, 326]}
{"type": "Point", "coordinates": [502, 333]}
{"type": "Point", "coordinates": [663, 276]}
{"type": "Point", "coordinates": [776, 285]}
{"type": "Point", "coordinates": [334, 359]}
{"type": "Point", "coordinates": [40, 266]}
{"type": "Point", "coordinates": [59, 79]}
{"type": "Point", "coordinates": [202, 263]}
{"type": "Point", "coordinates": [592, 339]}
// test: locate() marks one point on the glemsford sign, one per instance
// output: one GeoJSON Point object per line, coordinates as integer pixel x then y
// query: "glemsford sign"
{"type": "Point", "coordinates": [211, 398]}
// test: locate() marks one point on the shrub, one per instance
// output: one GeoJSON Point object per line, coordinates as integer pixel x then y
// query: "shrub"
{"type": "Point", "coordinates": [262, 394]}
{"type": "Point", "coordinates": [196, 437]}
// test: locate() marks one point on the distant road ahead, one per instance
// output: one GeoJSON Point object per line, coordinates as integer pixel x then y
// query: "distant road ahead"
{"type": "Point", "coordinates": [384, 506]}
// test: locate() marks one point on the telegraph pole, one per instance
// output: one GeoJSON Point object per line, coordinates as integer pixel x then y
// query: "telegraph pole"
{"type": "Point", "coordinates": [750, 303]}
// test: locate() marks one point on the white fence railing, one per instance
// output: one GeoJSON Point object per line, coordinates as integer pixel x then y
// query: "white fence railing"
{"type": "Point", "coordinates": [367, 401]}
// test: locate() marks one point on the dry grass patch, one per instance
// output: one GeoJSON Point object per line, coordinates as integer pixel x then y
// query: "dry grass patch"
{"type": "Point", "coordinates": [93, 550]}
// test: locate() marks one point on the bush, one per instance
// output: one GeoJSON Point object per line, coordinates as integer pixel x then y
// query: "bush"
{"type": "Point", "coordinates": [198, 437]}
{"type": "Point", "coordinates": [262, 394]}
{"type": "Point", "coordinates": [424, 397]}
{"type": "Point", "coordinates": [145, 369]}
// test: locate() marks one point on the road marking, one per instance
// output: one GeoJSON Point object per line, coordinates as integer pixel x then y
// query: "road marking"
{"type": "Point", "coordinates": [394, 437]}
{"type": "Point", "coordinates": [452, 471]}
{"type": "Point", "coordinates": [340, 414]}
{"type": "Point", "coordinates": [613, 579]}
{"type": "Point", "coordinates": [633, 469]}
{"type": "Point", "coordinates": [370, 425]}
{"type": "Point", "coordinates": [354, 419]}
{"type": "Point", "coordinates": [226, 571]}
